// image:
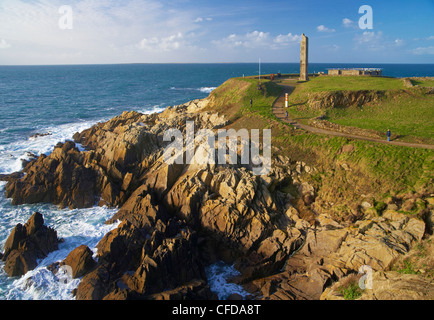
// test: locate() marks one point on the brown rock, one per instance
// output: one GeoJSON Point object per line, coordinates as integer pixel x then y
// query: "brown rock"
{"type": "Point", "coordinates": [408, 205]}
{"type": "Point", "coordinates": [19, 263]}
{"type": "Point", "coordinates": [174, 262]}
{"type": "Point", "coordinates": [60, 178]}
{"type": "Point", "coordinates": [140, 211]}
{"type": "Point", "coordinates": [94, 285]}
{"type": "Point", "coordinates": [121, 248]}
{"type": "Point", "coordinates": [235, 296]}
{"type": "Point", "coordinates": [17, 235]}
{"type": "Point", "coordinates": [194, 290]}
{"type": "Point", "coordinates": [80, 260]}
{"type": "Point", "coordinates": [397, 286]}
{"type": "Point", "coordinates": [28, 243]}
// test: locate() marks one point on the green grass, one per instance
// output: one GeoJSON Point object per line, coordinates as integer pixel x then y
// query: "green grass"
{"type": "Point", "coordinates": [407, 268]}
{"type": "Point", "coordinates": [423, 82]}
{"type": "Point", "coordinates": [388, 167]}
{"type": "Point", "coordinates": [263, 99]}
{"type": "Point", "coordinates": [351, 292]}
{"type": "Point", "coordinates": [394, 167]}
{"type": "Point", "coordinates": [326, 83]}
{"type": "Point", "coordinates": [236, 93]}
{"type": "Point", "coordinates": [404, 114]}
{"type": "Point", "coordinates": [407, 113]}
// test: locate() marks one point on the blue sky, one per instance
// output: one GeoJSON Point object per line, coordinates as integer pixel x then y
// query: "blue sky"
{"type": "Point", "coordinates": [152, 31]}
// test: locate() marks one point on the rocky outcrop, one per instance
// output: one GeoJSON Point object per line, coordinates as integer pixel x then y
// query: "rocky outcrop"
{"type": "Point", "coordinates": [132, 265]}
{"type": "Point", "coordinates": [26, 244]}
{"type": "Point", "coordinates": [177, 218]}
{"type": "Point", "coordinates": [159, 268]}
{"type": "Point", "coordinates": [339, 99]}
{"type": "Point", "coordinates": [332, 251]}
{"type": "Point", "coordinates": [80, 260]}
{"type": "Point", "coordinates": [60, 178]}
{"type": "Point", "coordinates": [94, 285]}
{"type": "Point", "coordinates": [389, 285]}
{"type": "Point", "coordinates": [397, 286]}
{"type": "Point", "coordinates": [119, 153]}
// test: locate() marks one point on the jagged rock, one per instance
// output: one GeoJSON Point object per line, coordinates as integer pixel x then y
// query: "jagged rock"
{"type": "Point", "coordinates": [289, 248]}
{"type": "Point", "coordinates": [160, 268]}
{"type": "Point", "coordinates": [324, 100]}
{"type": "Point", "coordinates": [121, 247]}
{"type": "Point", "coordinates": [408, 205]}
{"type": "Point", "coordinates": [140, 210]}
{"type": "Point", "coordinates": [194, 290]}
{"type": "Point", "coordinates": [396, 286]}
{"type": "Point", "coordinates": [80, 260]}
{"type": "Point", "coordinates": [28, 243]}
{"type": "Point", "coordinates": [94, 285]}
{"type": "Point", "coordinates": [389, 285]}
{"type": "Point", "coordinates": [60, 178]}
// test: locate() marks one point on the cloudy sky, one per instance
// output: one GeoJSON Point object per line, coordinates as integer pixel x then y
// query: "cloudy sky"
{"type": "Point", "coordinates": [152, 31]}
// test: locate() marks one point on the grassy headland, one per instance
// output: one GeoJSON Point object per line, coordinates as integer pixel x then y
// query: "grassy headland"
{"type": "Point", "coordinates": [347, 171]}
{"type": "Point", "coordinates": [407, 112]}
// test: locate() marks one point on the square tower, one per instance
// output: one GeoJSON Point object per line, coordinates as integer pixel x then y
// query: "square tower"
{"type": "Point", "coordinates": [304, 62]}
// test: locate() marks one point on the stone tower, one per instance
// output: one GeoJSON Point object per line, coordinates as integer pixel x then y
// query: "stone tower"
{"type": "Point", "coordinates": [304, 63]}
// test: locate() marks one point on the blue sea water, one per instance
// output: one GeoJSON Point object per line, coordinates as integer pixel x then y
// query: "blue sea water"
{"type": "Point", "coordinates": [61, 100]}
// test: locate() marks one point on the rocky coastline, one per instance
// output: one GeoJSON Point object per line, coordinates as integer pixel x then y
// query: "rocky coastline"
{"type": "Point", "coordinates": [179, 218]}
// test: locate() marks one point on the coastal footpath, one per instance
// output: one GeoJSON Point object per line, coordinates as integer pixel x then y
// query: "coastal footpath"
{"type": "Point", "coordinates": [305, 230]}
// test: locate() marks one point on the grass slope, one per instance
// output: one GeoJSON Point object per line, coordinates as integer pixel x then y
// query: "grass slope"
{"type": "Point", "coordinates": [407, 112]}
{"type": "Point", "coordinates": [232, 98]}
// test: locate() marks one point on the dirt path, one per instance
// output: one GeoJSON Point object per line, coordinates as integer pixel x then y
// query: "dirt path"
{"type": "Point", "coordinates": [279, 112]}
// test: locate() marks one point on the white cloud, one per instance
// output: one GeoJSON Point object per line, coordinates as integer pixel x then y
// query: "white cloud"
{"type": "Point", "coordinates": [287, 39]}
{"type": "Point", "coordinates": [399, 42]}
{"type": "Point", "coordinates": [323, 28]}
{"type": "Point", "coordinates": [169, 43]}
{"type": "Point", "coordinates": [377, 41]}
{"type": "Point", "coordinates": [423, 51]}
{"type": "Point", "coordinates": [200, 19]}
{"type": "Point", "coordinates": [104, 31]}
{"type": "Point", "coordinates": [347, 23]}
{"type": "Point", "coordinates": [370, 40]}
{"type": "Point", "coordinates": [249, 40]}
{"type": "Point", "coordinates": [257, 39]}
{"type": "Point", "coordinates": [4, 44]}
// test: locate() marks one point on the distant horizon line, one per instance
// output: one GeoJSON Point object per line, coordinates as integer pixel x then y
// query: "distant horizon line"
{"type": "Point", "coordinates": [198, 63]}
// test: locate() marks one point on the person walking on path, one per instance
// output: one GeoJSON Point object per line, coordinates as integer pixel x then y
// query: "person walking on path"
{"type": "Point", "coordinates": [286, 114]}
{"type": "Point", "coordinates": [388, 134]}
{"type": "Point", "coordinates": [251, 103]}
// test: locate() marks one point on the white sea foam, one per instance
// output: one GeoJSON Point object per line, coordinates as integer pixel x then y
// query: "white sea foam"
{"type": "Point", "coordinates": [12, 154]}
{"type": "Point", "coordinates": [202, 89]}
{"type": "Point", "coordinates": [218, 275]}
{"type": "Point", "coordinates": [76, 227]}
{"type": "Point", "coordinates": [155, 109]}
{"type": "Point", "coordinates": [207, 89]}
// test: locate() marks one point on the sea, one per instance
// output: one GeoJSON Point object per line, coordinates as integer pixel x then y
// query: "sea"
{"type": "Point", "coordinates": [57, 101]}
